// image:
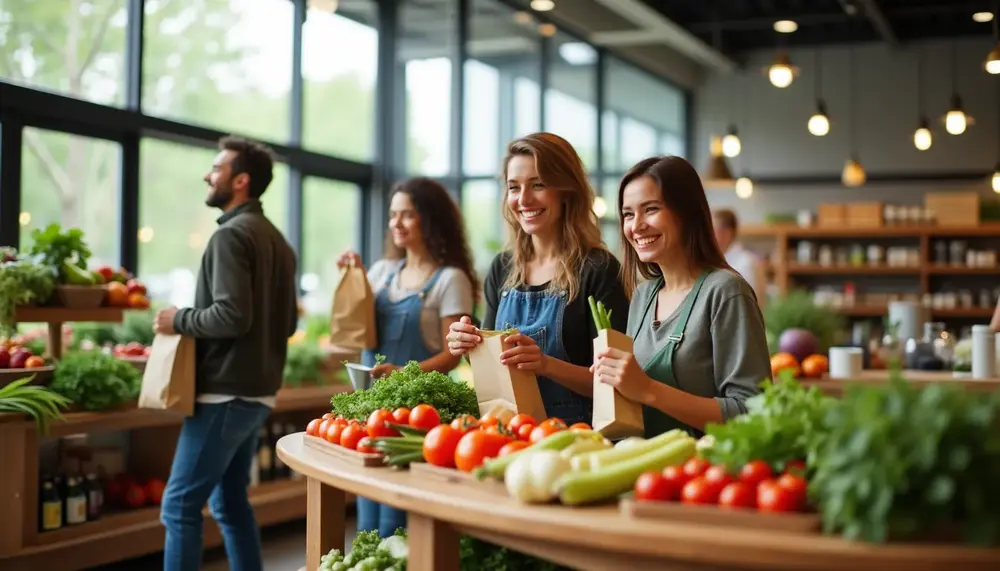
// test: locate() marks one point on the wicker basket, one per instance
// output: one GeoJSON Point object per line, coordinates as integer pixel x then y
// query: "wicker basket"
{"type": "Point", "coordinates": [80, 297]}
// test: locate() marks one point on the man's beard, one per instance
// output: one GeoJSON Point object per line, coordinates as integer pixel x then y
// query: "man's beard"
{"type": "Point", "coordinates": [220, 196]}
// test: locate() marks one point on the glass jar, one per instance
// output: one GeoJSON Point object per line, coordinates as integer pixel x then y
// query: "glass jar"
{"type": "Point", "coordinates": [942, 342]}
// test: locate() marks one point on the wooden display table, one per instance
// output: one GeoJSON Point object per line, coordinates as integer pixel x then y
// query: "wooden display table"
{"type": "Point", "coordinates": [835, 387]}
{"type": "Point", "coordinates": [589, 539]}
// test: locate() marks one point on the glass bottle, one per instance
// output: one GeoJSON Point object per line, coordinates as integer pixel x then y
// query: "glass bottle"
{"type": "Point", "coordinates": [52, 507]}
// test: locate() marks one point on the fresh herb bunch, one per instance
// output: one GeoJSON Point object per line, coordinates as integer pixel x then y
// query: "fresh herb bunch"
{"type": "Point", "coordinates": [799, 310]}
{"type": "Point", "coordinates": [409, 386]}
{"type": "Point", "coordinates": [22, 282]}
{"type": "Point", "coordinates": [95, 380]}
{"type": "Point", "coordinates": [369, 553]}
{"type": "Point", "coordinates": [53, 247]}
{"type": "Point", "coordinates": [476, 555]}
{"type": "Point", "coordinates": [780, 426]}
{"type": "Point", "coordinates": [38, 402]}
{"type": "Point", "coordinates": [899, 461]}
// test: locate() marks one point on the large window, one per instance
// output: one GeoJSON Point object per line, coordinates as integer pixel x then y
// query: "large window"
{"type": "Point", "coordinates": [644, 117]}
{"type": "Point", "coordinates": [225, 64]}
{"type": "Point", "coordinates": [501, 84]}
{"type": "Point", "coordinates": [174, 222]}
{"type": "Point", "coordinates": [484, 225]}
{"type": "Point", "coordinates": [426, 48]}
{"type": "Point", "coordinates": [71, 181]}
{"type": "Point", "coordinates": [571, 97]}
{"type": "Point", "coordinates": [66, 46]}
{"type": "Point", "coordinates": [331, 225]}
{"type": "Point", "coordinates": [339, 61]}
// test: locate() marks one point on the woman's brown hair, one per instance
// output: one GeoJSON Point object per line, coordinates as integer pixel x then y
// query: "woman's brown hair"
{"type": "Point", "coordinates": [441, 226]}
{"type": "Point", "coordinates": [684, 196]}
{"type": "Point", "coordinates": [559, 168]}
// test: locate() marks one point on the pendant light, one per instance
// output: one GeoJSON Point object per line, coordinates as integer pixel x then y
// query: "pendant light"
{"type": "Point", "coordinates": [744, 185]}
{"type": "Point", "coordinates": [782, 72]}
{"type": "Point", "coordinates": [819, 123]}
{"type": "Point", "coordinates": [956, 121]}
{"type": "Point", "coordinates": [717, 170]}
{"type": "Point", "coordinates": [992, 64]}
{"type": "Point", "coordinates": [731, 144]}
{"type": "Point", "coordinates": [995, 179]}
{"type": "Point", "coordinates": [542, 5]}
{"type": "Point", "coordinates": [853, 174]}
{"type": "Point", "coordinates": [922, 138]}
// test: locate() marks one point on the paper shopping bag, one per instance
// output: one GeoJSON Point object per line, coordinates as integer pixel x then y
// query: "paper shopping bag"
{"type": "Point", "coordinates": [168, 382]}
{"type": "Point", "coordinates": [498, 385]}
{"type": "Point", "coordinates": [352, 316]}
{"type": "Point", "coordinates": [614, 415]}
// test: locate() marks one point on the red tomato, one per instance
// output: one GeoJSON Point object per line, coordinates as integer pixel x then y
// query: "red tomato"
{"type": "Point", "coordinates": [797, 467]}
{"type": "Point", "coordinates": [755, 472]}
{"type": "Point", "coordinates": [542, 431]}
{"type": "Point", "coordinates": [738, 495]}
{"type": "Point", "coordinates": [465, 423]}
{"type": "Point", "coordinates": [581, 426]}
{"type": "Point", "coordinates": [772, 497]}
{"type": "Point", "coordinates": [676, 476]}
{"type": "Point", "coordinates": [313, 428]}
{"type": "Point", "coordinates": [796, 487]}
{"type": "Point", "coordinates": [501, 430]}
{"type": "Point", "coordinates": [367, 446]}
{"type": "Point", "coordinates": [524, 432]}
{"type": "Point", "coordinates": [351, 435]}
{"type": "Point", "coordinates": [328, 416]}
{"type": "Point", "coordinates": [333, 432]}
{"type": "Point", "coordinates": [652, 486]}
{"type": "Point", "coordinates": [424, 416]}
{"type": "Point", "coordinates": [555, 422]}
{"type": "Point", "coordinates": [488, 421]}
{"type": "Point", "coordinates": [376, 424]}
{"type": "Point", "coordinates": [696, 467]}
{"type": "Point", "coordinates": [717, 477]}
{"type": "Point", "coordinates": [512, 447]}
{"type": "Point", "coordinates": [324, 425]}
{"type": "Point", "coordinates": [698, 491]}
{"type": "Point", "coordinates": [520, 420]}
{"type": "Point", "coordinates": [475, 447]}
{"type": "Point", "coordinates": [401, 415]}
{"type": "Point", "coordinates": [440, 444]}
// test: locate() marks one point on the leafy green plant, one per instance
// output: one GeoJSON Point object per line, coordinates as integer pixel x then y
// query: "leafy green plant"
{"type": "Point", "coordinates": [797, 309]}
{"type": "Point", "coordinates": [410, 386]}
{"type": "Point", "coordinates": [22, 282]}
{"type": "Point", "coordinates": [316, 326]}
{"type": "Point", "coordinates": [38, 402]}
{"type": "Point", "coordinates": [95, 380]}
{"type": "Point", "coordinates": [304, 364]}
{"type": "Point", "coordinates": [53, 247]}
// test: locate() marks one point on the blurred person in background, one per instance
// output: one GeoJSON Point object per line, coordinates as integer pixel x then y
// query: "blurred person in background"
{"type": "Point", "coordinates": [745, 262]}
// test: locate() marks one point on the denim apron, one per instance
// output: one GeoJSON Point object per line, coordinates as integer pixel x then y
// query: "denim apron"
{"type": "Point", "coordinates": [401, 341]}
{"type": "Point", "coordinates": [661, 366]}
{"type": "Point", "coordinates": [539, 315]}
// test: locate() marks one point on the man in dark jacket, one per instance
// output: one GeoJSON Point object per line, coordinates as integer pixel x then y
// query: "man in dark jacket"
{"type": "Point", "coordinates": [244, 312]}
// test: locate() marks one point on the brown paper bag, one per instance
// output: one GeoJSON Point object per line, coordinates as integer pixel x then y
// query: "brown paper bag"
{"type": "Point", "coordinates": [352, 316]}
{"type": "Point", "coordinates": [168, 382]}
{"type": "Point", "coordinates": [614, 415]}
{"type": "Point", "coordinates": [497, 384]}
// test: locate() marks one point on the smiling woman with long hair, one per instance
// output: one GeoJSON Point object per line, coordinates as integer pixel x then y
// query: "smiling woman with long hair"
{"type": "Point", "coordinates": [700, 350]}
{"type": "Point", "coordinates": [422, 286]}
{"type": "Point", "coordinates": [540, 285]}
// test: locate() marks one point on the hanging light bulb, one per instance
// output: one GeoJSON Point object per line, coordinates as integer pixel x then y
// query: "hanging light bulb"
{"type": "Point", "coordinates": [781, 73]}
{"type": "Point", "coordinates": [955, 121]}
{"type": "Point", "coordinates": [993, 61]}
{"type": "Point", "coordinates": [731, 145]}
{"type": "Point", "coordinates": [996, 179]}
{"type": "Point", "coordinates": [819, 123]}
{"type": "Point", "coordinates": [853, 174]}
{"type": "Point", "coordinates": [600, 206]}
{"type": "Point", "coordinates": [922, 138]}
{"type": "Point", "coordinates": [542, 5]}
{"type": "Point", "coordinates": [744, 187]}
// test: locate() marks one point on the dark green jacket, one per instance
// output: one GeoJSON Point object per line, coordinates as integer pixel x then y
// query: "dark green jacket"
{"type": "Point", "coordinates": [245, 306]}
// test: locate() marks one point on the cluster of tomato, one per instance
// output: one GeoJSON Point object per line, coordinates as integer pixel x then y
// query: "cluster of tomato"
{"type": "Point", "coordinates": [358, 436]}
{"type": "Point", "coordinates": [468, 441]}
{"type": "Point", "coordinates": [755, 485]}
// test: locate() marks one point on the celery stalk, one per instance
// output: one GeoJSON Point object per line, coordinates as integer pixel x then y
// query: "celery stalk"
{"type": "Point", "coordinates": [602, 458]}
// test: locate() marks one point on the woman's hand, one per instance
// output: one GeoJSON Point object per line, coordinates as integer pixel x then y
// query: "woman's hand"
{"type": "Point", "coordinates": [379, 371]}
{"type": "Point", "coordinates": [620, 370]}
{"type": "Point", "coordinates": [350, 258]}
{"type": "Point", "coordinates": [527, 356]}
{"type": "Point", "coordinates": [463, 336]}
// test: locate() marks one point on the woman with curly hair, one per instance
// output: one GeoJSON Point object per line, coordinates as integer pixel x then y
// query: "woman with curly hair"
{"type": "Point", "coordinates": [424, 283]}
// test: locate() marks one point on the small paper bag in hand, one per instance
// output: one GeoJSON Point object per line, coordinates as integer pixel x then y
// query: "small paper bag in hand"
{"type": "Point", "coordinates": [497, 384]}
{"type": "Point", "coordinates": [614, 415]}
{"type": "Point", "coordinates": [352, 316]}
{"type": "Point", "coordinates": [168, 382]}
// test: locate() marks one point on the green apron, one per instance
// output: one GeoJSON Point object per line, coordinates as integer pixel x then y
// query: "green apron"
{"type": "Point", "coordinates": [661, 366]}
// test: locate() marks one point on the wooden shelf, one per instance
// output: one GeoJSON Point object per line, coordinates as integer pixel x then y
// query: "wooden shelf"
{"type": "Point", "coordinates": [308, 398]}
{"type": "Point", "coordinates": [66, 315]}
{"type": "Point", "coordinates": [796, 232]}
{"type": "Point", "coordinates": [946, 269]}
{"type": "Point", "coordinates": [881, 311]}
{"type": "Point", "coordinates": [817, 270]}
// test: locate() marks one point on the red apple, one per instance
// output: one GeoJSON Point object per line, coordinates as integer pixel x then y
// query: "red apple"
{"type": "Point", "coordinates": [19, 357]}
{"type": "Point", "coordinates": [135, 286]}
{"type": "Point", "coordinates": [106, 272]}
{"type": "Point", "coordinates": [134, 349]}
{"type": "Point", "coordinates": [4, 358]}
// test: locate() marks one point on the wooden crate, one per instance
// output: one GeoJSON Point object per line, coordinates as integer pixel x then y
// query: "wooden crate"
{"type": "Point", "coordinates": [740, 518]}
{"type": "Point", "coordinates": [864, 214]}
{"type": "Point", "coordinates": [953, 208]}
{"type": "Point", "coordinates": [828, 214]}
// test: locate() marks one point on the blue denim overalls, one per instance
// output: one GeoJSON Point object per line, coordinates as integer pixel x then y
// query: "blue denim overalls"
{"type": "Point", "coordinates": [539, 315]}
{"type": "Point", "coordinates": [401, 341]}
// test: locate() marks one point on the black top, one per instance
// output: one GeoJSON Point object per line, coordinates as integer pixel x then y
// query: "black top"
{"type": "Point", "coordinates": [245, 306]}
{"type": "Point", "coordinates": [599, 277]}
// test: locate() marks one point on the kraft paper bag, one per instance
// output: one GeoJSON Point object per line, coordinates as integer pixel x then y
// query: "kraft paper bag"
{"type": "Point", "coordinates": [168, 382]}
{"type": "Point", "coordinates": [498, 385]}
{"type": "Point", "coordinates": [352, 316]}
{"type": "Point", "coordinates": [614, 415]}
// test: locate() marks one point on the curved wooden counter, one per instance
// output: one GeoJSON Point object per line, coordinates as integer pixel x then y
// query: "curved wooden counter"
{"type": "Point", "coordinates": [590, 539]}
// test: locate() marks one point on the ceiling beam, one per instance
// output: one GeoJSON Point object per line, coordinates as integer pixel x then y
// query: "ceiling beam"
{"type": "Point", "coordinates": [808, 19]}
{"type": "Point", "coordinates": [877, 17]}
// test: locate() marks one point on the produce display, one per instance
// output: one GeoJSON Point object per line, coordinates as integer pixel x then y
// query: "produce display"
{"type": "Point", "coordinates": [132, 349]}
{"type": "Point", "coordinates": [94, 380]}
{"type": "Point", "coordinates": [797, 325]}
{"type": "Point", "coordinates": [813, 366]}
{"type": "Point", "coordinates": [409, 387]}
{"type": "Point", "coordinates": [40, 403]}
{"type": "Point", "coordinates": [14, 355]}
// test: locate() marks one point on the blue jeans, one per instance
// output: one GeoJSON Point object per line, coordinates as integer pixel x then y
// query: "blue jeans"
{"type": "Point", "coordinates": [373, 516]}
{"type": "Point", "coordinates": [212, 464]}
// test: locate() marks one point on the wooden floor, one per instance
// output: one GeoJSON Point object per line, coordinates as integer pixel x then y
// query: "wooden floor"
{"type": "Point", "coordinates": [284, 548]}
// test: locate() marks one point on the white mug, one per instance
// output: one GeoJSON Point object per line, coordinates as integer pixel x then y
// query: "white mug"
{"type": "Point", "coordinates": [846, 362]}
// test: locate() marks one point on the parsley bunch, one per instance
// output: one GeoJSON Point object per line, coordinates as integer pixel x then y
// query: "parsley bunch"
{"type": "Point", "coordinates": [409, 387]}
